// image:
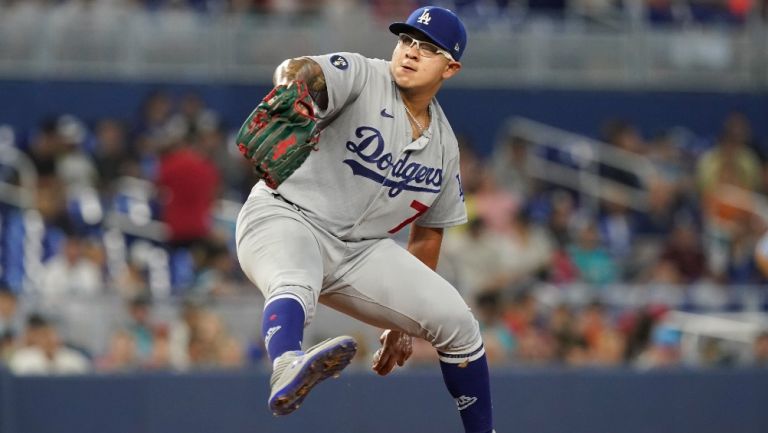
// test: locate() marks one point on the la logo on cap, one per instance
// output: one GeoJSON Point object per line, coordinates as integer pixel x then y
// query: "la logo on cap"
{"type": "Point", "coordinates": [424, 18]}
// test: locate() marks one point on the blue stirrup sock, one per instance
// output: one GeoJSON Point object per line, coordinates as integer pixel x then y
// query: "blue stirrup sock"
{"type": "Point", "coordinates": [282, 326]}
{"type": "Point", "coordinates": [469, 384]}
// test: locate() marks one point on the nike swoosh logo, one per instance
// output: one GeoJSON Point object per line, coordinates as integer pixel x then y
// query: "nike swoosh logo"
{"type": "Point", "coordinates": [385, 114]}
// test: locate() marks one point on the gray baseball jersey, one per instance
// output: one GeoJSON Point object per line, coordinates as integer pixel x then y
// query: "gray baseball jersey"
{"type": "Point", "coordinates": [369, 179]}
{"type": "Point", "coordinates": [330, 241]}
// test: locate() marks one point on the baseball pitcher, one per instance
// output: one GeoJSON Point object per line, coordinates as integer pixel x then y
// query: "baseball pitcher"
{"type": "Point", "coordinates": [350, 151]}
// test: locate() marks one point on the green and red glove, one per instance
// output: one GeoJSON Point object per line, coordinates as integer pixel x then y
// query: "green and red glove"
{"type": "Point", "coordinates": [280, 133]}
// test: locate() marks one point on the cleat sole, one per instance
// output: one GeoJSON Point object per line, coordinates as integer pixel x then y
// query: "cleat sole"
{"type": "Point", "coordinates": [324, 364]}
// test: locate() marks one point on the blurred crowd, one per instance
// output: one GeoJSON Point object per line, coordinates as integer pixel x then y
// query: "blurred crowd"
{"type": "Point", "coordinates": [656, 11]}
{"type": "Point", "coordinates": [528, 241]}
{"type": "Point", "coordinates": [527, 244]}
{"type": "Point", "coordinates": [197, 339]}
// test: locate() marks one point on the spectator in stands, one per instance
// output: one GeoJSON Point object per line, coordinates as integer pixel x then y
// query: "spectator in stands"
{"type": "Point", "coordinates": [760, 350]}
{"type": "Point", "coordinates": [111, 150]}
{"type": "Point", "coordinates": [639, 330]}
{"type": "Point", "coordinates": [562, 328]}
{"type": "Point", "coordinates": [470, 167]}
{"type": "Point", "coordinates": [160, 358]}
{"type": "Point", "coordinates": [498, 340]}
{"type": "Point", "coordinates": [43, 352]}
{"type": "Point", "coordinates": [652, 230]}
{"type": "Point", "coordinates": [193, 117]}
{"type": "Point", "coordinates": [74, 167]}
{"type": "Point", "coordinates": [141, 327]}
{"type": "Point", "coordinates": [494, 204]}
{"type": "Point", "coordinates": [189, 185]}
{"type": "Point", "coordinates": [714, 354]}
{"type": "Point", "coordinates": [121, 355]}
{"type": "Point", "coordinates": [594, 327]}
{"type": "Point", "coordinates": [44, 148]}
{"type": "Point", "coordinates": [577, 353]}
{"type": "Point", "coordinates": [480, 260]}
{"type": "Point", "coordinates": [151, 132]}
{"type": "Point", "coordinates": [509, 165]}
{"type": "Point", "coordinates": [10, 327]}
{"type": "Point", "coordinates": [624, 136]}
{"type": "Point", "coordinates": [181, 332]}
{"type": "Point", "coordinates": [72, 271]}
{"type": "Point", "coordinates": [531, 249]}
{"type": "Point", "coordinates": [738, 126]}
{"type": "Point", "coordinates": [533, 345]}
{"type": "Point", "coordinates": [561, 217]}
{"type": "Point", "coordinates": [674, 166]}
{"type": "Point", "coordinates": [595, 264]}
{"type": "Point", "coordinates": [722, 172]}
{"type": "Point", "coordinates": [232, 354]}
{"type": "Point", "coordinates": [657, 221]}
{"type": "Point", "coordinates": [608, 350]}
{"type": "Point", "coordinates": [741, 266]}
{"type": "Point", "coordinates": [215, 276]}
{"type": "Point", "coordinates": [131, 280]}
{"type": "Point", "coordinates": [683, 251]}
{"type": "Point", "coordinates": [9, 314]}
{"type": "Point", "coordinates": [236, 171]}
{"type": "Point", "coordinates": [211, 345]}
{"type": "Point", "coordinates": [617, 229]}
{"type": "Point", "coordinates": [663, 352]}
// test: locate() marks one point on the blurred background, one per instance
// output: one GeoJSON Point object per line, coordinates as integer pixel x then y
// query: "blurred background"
{"type": "Point", "coordinates": [614, 162]}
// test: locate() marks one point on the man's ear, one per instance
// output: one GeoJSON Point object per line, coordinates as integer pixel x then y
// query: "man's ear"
{"type": "Point", "coordinates": [451, 69]}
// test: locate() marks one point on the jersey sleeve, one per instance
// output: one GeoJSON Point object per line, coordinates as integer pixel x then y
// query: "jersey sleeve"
{"type": "Point", "coordinates": [448, 209]}
{"type": "Point", "coordinates": [345, 76]}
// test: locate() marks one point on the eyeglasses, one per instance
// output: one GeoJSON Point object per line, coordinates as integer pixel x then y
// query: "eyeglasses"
{"type": "Point", "coordinates": [425, 49]}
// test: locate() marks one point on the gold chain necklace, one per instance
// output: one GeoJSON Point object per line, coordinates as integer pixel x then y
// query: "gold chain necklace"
{"type": "Point", "coordinates": [418, 124]}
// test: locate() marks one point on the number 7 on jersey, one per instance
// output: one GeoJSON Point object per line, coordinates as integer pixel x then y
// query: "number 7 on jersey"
{"type": "Point", "coordinates": [420, 207]}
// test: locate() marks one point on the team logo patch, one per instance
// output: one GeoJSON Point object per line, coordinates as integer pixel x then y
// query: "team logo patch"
{"type": "Point", "coordinates": [424, 18]}
{"type": "Point", "coordinates": [339, 62]}
{"type": "Point", "coordinates": [461, 188]}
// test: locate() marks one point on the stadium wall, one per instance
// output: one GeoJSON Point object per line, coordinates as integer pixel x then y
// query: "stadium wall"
{"type": "Point", "coordinates": [477, 113]}
{"type": "Point", "coordinates": [536, 401]}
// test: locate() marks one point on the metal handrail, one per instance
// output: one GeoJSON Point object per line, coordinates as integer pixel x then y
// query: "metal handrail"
{"type": "Point", "coordinates": [24, 194]}
{"type": "Point", "coordinates": [590, 154]}
{"type": "Point", "coordinates": [587, 181]}
{"type": "Point", "coordinates": [710, 325]}
{"type": "Point", "coordinates": [142, 226]}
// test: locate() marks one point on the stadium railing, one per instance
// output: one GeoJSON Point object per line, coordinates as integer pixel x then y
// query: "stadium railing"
{"type": "Point", "coordinates": [572, 161]}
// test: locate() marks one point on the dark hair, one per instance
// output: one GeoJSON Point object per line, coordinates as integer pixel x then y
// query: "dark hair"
{"type": "Point", "coordinates": [37, 320]}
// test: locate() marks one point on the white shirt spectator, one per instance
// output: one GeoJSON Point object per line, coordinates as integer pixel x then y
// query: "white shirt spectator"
{"type": "Point", "coordinates": [62, 277]}
{"type": "Point", "coordinates": [33, 361]}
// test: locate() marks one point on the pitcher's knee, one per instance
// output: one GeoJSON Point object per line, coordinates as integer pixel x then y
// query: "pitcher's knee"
{"type": "Point", "coordinates": [303, 295]}
{"type": "Point", "coordinates": [457, 332]}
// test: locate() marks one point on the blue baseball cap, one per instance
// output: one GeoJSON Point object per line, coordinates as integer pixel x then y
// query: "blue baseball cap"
{"type": "Point", "coordinates": [439, 24]}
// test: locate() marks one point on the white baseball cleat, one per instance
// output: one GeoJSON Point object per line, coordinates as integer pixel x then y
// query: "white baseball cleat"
{"type": "Point", "coordinates": [296, 373]}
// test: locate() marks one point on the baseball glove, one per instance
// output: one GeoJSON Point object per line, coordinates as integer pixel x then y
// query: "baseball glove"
{"type": "Point", "coordinates": [278, 136]}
